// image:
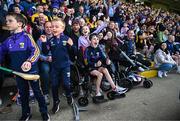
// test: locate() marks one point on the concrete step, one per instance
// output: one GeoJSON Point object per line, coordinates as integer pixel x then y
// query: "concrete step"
{"type": "Point", "coordinates": [149, 74]}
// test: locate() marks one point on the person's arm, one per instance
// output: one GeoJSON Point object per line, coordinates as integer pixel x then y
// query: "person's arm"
{"type": "Point", "coordinates": [105, 4]}
{"type": "Point", "coordinates": [116, 5]}
{"type": "Point", "coordinates": [161, 58]}
{"type": "Point", "coordinates": [71, 47]}
{"type": "Point", "coordinates": [156, 15]}
{"type": "Point", "coordinates": [32, 46]}
{"type": "Point", "coordinates": [82, 42]}
{"type": "Point", "coordinates": [170, 59]}
{"type": "Point", "coordinates": [87, 58]}
{"type": "Point", "coordinates": [3, 51]}
{"type": "Point", "coordinates": [101, 27]}
{"type": "Point", "coordinates": [41, 56]}
{"type": "Point", "coordinates": [103, 55]}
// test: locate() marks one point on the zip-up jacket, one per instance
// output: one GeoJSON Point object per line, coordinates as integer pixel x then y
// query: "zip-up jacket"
{"type": "Point", "coordinates": [20, 47]}
{"type": "Point", "coordinates": [93, 55]}
{"type": "Point", "coordinates": [60, 51]}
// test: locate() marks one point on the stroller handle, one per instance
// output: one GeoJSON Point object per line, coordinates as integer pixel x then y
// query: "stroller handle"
{"type": "Point", "coordinates": [133, 62]}
{"type": "Point", "coordinates": [124, 54]}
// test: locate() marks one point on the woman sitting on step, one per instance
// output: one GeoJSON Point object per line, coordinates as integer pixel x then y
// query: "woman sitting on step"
{"type": "Point", "coordinates": [163, 60]}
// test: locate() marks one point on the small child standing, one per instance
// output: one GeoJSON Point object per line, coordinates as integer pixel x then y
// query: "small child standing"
{"type": "Point", "coordinates": [59, 45]}
{"type": "Point", "coordinates": [94, 58]}
{"type": "Point", "coordinates": [23, 53]}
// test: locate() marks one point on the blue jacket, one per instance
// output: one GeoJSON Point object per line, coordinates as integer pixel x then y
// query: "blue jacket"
{"type": "Point", "coordinates": [20, 47]}
{"type": "Point", "coordinates": [129, 47]}
{"type": "Point", "coordinates": [171, 47]}
{"type": "Point", "coordinates": [93, 55]}
{"type": "Point", "coordinates": [59, 50]}
{"type": "Point", "coordinates": [56, 3]}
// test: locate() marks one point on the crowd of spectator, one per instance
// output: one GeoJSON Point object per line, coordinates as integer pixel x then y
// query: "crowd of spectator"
{"type": "Point", "coordinates": [149, 33]}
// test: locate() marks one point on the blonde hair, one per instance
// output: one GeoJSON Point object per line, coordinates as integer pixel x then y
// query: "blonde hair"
{"type": "Point", "coordinates": [59, 20]}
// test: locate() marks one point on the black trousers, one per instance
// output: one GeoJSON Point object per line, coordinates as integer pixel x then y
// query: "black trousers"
{"type": "Point", "coordinates": [1, 80]}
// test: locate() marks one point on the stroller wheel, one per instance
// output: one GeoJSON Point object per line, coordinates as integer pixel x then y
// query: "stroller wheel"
{"type": "Point", "coordinates": [86, 86]}
{"type": "Point", "coordinates": [83, 101]}
{"type": "Point", "coordinates": [126, 83]}
{"type": "Point", "coordinates": [147, 83]}
{"type": "Point", "coordinates": [111, 95]}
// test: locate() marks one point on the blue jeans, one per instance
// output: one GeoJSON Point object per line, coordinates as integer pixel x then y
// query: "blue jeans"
{"type": "Point", "coordinates": [64, 73]}
{"type": "Point", "coordinates": [44, 72]}
{"type": "Point", "coordinates": [166, 67]}
{"type": "Point", "coordinates": [23, 87]}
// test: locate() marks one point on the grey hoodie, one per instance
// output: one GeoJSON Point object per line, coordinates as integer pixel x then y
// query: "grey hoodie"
{"type": "Point", "coordinates": [161, 57]}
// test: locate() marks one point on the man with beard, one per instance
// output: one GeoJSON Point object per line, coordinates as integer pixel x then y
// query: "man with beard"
{"type": "Point", "coordinates": [74, 34]}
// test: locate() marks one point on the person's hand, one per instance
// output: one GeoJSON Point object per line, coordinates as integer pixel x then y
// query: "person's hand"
{"type": "Point", "coordinates": [43, 38]}
{"type": "Point", "coordinates": [151, 36]}
{"type": "Point", "coordinates": [49, 59]}
{"type": "Point", "coordinates": [26, 66]}
{"type": "Point", "coordinates": [177, 53]}
{"type": "Point", "coordinates": [98, 64]}
{"type": "Point", "coordinates": [108, 61]}
{"type": "Point", "coordinates": [70, 42]}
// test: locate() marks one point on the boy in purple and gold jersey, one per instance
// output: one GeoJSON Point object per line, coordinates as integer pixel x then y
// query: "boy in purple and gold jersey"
{"type": "Point", "coordinates": [23, 53]}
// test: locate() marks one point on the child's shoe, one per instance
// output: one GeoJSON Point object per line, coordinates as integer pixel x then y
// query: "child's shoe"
{"type": "Point", "coordinates": [55, 108]}
{"type": "Point", "coordinates": [120, 90]}
{"type": "Point", "coordinates": [26, 117]}
{"type": "Point", "coordinates": [98, 94]}
{"type": "Point", "coordinates": [45, 117]}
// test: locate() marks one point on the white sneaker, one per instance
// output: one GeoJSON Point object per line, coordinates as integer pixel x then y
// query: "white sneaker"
{"type": "Point", "coordinates": [178, 69]}
{"type": "Point", "coordinates": [141, 69]}
{"type": "Point", "coordinates": [120, 89]}
{"type": "Point", "coordinates": [160, 74]}
{"type": "Point", "coordinates": [98, 94]}
{"type": "Point", "coordinates": [165, 73]}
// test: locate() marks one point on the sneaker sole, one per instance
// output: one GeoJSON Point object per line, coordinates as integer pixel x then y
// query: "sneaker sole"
{"type": "Point", "coordinates": [29, 118]}
{"type": "Point", "coordinates": [56, 110]}
{"type": "Point", "coordinates": [122, 92]}
{"type": "Point", "coordinates": [49, 118]}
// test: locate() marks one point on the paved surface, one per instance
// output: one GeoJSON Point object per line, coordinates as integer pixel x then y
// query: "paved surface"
{"type": "Point", "coordinates": [161, 102]}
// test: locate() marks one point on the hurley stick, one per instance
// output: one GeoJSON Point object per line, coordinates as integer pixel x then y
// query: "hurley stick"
{"type": "Point", "coordinates": [22, 75]}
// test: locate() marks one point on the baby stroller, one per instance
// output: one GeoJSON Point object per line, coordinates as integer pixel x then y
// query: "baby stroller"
{"type": "Point", "coordinates": [129, 78]}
